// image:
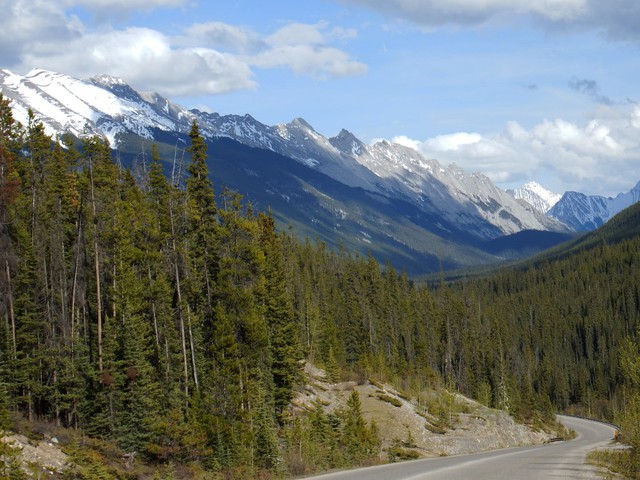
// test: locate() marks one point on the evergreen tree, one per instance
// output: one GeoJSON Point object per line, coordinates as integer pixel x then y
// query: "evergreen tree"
{"type": "Point", "coordinates": [357, 438]}
{"type": "Point", "coordinates": [278, 313]}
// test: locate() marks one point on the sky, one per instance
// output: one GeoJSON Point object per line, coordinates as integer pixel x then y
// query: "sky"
{"type": "Point", "coordinates": [520, 90]}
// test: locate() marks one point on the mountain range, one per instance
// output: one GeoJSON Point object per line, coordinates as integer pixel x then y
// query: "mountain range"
{"type": "Point", "coordinates": [578, 211]}
{"type": "Point", "coordinates": [382, 198]}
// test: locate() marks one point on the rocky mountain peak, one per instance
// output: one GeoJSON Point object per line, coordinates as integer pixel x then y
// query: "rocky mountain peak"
{"type": "Point", "coordinates": [536, 195]}
{"type": "Point", "coordinates": [348, 143]}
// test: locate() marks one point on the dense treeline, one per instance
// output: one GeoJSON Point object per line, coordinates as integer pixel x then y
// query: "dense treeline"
{"type": "Point", "coordinates": [143, 315]}
{"type": "Point", "coordinates": [173, 322]}
{"type": "Point", "coordinates": [156, 315]}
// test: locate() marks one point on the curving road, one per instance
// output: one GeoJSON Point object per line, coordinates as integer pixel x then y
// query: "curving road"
{"type": "Point", "coordinates": [561, 460]}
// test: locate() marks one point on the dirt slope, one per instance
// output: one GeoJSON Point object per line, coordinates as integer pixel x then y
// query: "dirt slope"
{"type": "Point", "coordinates": [440, 424]}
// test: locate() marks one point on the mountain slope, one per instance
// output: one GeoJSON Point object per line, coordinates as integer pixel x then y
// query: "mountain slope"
{"type": "Point", "coordinates": [536, 195]}
{"type": "Point", "coordinates": [317, 206]}
{"type": "Point", "coordinates": [588, 212]}
{"type": "Point", "coordinates": [625, 225]}
{"type": "Point", "coordinates": [422, 210]}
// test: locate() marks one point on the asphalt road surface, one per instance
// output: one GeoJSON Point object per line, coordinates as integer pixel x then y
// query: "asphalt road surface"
{"type": "Point", "coordinates": [559, 460]}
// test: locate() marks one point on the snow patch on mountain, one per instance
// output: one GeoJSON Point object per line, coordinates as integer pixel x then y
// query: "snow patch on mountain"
{"type": "Point", "coordinates": [581, 212]}
{"type": "Point", "coordinates": [101, 106]}
{"type": "Point", "coordinates": [461, 197]}
{"type": "Point", "coordinates": [588, 212]}
{"type": "Point", "coordinates": [536, 195]}
{"type": "Point", "coordinates": [106, 105]}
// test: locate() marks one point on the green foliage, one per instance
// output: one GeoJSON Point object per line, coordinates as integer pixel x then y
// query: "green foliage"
{"type": "Point", "coordinates": [357, 439]}
{"type": "Point", "coordinates": [10, 467]}
{"type": "Point", "coordinates": [173, 323]}
{"type": "Point", "coordinates": [397, 454]}
{"type": "Point", "coordinates": [389, 399]}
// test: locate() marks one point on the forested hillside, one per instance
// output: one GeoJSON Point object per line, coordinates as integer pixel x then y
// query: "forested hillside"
{"type": "Point", "coordinates": [172, 321]}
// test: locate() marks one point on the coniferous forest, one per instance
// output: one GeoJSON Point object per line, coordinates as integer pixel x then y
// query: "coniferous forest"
{"type": "Point", "coordinates": [160, 317]}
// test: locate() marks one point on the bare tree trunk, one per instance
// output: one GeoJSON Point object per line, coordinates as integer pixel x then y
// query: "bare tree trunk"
{"type": "Point", "coordinates": [74, 285]}
{"type": "Point", "coordinates": [96, 252]}
{"type": "Point", "coordinates": [183, 342]}
{"type": "Point", "coordinates": [154, 314]}
{"type": "Point", "coordinates": [114, 285]}
{"type": "Point", "coordinates": [48, 297]}
{"type": "Point", "coordinates": [99, 302]}
{"type": "Point", "coordinates": [12, 317]}
{"type": "Point", "coordinates": [193, 350]}
{"type": "Point", "coordinates": [29, 405]}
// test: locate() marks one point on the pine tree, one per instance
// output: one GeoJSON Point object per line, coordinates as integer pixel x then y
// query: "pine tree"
{"type": "Point", "coordinates": [10, 141]}
{"type": "Point", "coordinates": [278, 313]}
{"type": "Point", "coordinates": [101, 175]}
{"type": "Point", "coordinates": [357, 438]}
{"type": "Point", "coordinates": [138, 389]}
{"type": "Point", "coordinates": [265, 441]}
{"type": "Point", "coordinates": [202, 210]}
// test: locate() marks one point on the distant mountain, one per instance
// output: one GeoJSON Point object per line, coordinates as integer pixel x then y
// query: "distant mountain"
{"type": "Point", "coordinates": [587, 212]}
{"type": "Point", "coordinates": [625, 225]}
{"type": "Point", "coordinates": [383, 196]}
{"type": "Point", "coordinates": [536, 195]}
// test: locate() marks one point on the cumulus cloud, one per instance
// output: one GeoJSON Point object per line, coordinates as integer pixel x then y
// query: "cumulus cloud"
{"type": "Point", "coordinates": [205, 58]}
{"type": "Point", "coordinates": [600, 156]}
{"type": "Point", "coordinates": [618, 19]}
{"type": "Point", "coordinates": [28, 25]}
{"type": "Point", "coordinates": [223, 36]}
{"type": "Point", "coordinates": [306, 49]}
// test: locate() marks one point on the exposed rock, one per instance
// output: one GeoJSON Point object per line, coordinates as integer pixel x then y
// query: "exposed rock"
{"type": "Point", "coordinates": [466, 427]}
{"type": "Point", "coordinates": [43, 459]}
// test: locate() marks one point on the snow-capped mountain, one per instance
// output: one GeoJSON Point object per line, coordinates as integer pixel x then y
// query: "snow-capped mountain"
{"type": "Point", "coordinates": [536, 195]}
{"type": "Point", "coordinates": [588, 212]}
{"type": "Point", "coordinates": [103, 105]}
{"type": "Point", "coordinates": [108, 106]}
{"type": "Point", "coordinates": [377, 188]}
{"type": "Point", "coordinates": [462, 197]}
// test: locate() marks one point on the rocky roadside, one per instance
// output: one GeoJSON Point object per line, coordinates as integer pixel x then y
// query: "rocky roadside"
{"type": "Point", "coordinates": [36, 459]}
{"type": "Point", "coordinates": [438, 424]}
{"type": "Point", "coordinates": [444, 424]}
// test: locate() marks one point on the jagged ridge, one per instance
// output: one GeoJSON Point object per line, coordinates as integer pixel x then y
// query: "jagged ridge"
{"type": "Point", "coordinates": [108, 106]}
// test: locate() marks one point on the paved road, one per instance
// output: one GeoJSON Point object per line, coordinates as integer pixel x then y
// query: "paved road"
{"type": "Point", "coordinates": [560, 460]}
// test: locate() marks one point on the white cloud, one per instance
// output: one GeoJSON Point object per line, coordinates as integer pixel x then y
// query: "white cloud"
{"type": "Point", "coordinates": [305, 49]}
{"type": "Point", "coordinates": [205, 58]}
{"type": "Point", "coordinates": [452, 142]}
{"type": "Point", "coordinates": [309, 34]}
{"type": "Point", "coordinates": [227, 37]}
{"type": "Point", "coordinates": [403, 140]}
{"type": "Point", "coordinates": [309, 60]}
{"type": "Point", "coordinates": [147, 60]}
{"type": "Point", "coordinates": [31, 26]}
{"type": "Point", "coordinates": [602, 156]}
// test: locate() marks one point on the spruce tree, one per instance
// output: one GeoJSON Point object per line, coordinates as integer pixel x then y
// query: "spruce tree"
{"type": "Point", "coordinates": [278, 313]}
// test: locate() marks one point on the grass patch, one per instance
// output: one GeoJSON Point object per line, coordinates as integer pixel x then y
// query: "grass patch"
{"type": "Point", "coordinates": [398, 454]}
{"type": "Point", "coordinates": [389, 399]}
{"type": "Point", "coordinates": [438, 428]}
{"type": "Point", "coordinates": [615, 464]}
{"type": "Point", "coordinates": [376, 384]}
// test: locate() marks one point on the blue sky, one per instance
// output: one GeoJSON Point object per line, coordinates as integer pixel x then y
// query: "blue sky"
{"type": "Point", "coordinates": [517, 89]}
